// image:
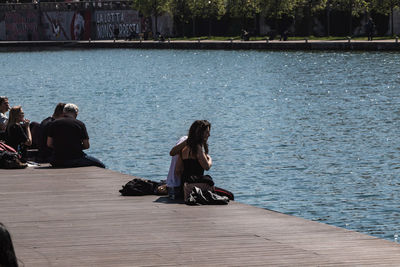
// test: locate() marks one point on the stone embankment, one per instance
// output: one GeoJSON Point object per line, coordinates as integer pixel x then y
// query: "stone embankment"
{"type": "Point", "coordinates": [341, 45]}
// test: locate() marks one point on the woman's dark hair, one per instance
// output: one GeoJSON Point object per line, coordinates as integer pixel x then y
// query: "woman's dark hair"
{"type": "Point", "coordinates": [196, 135]}
{"type": "Point", "coordinates": [3, 99]}
{"type": "Point", "coordinates": [7, 253]}
{"type": "Point", "coordinates": [59, 110]}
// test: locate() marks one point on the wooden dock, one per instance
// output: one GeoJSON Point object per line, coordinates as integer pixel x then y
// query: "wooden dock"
{"type": "Point", "coordinates": [76, 217]}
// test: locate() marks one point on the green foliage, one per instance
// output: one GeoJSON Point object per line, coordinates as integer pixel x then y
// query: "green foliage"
{"type": "Point", "coordinates": [243, 8]}
{"type": "Point", "coordinates": [151, 7]}
{"type": "Point", "coordinates": [314, 5]}
{"type": "Point", "coordinates": [207, 8]}
{"type": "Point", "coordinates": [356, 7]}
{"type": "Point", "coordinates": [385, 6]}
{"type": "Point", "coordinates": [195, 7]}
{"type": "Point", "coordinates": [193, 11]}
{"type": "Point", "coordinates": [187, 9]}
{"type": "Point", "coordinates": [279, 8]}
{"type": "Point", "coordinates": [180, 9]}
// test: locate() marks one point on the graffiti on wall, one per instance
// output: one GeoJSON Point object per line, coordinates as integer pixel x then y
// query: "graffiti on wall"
{"type": "Point", "coordinates": [20, 26]}
{"type": "Point", "coordinates": [70, 25]}
{"type": "Point", "coordinates": [65, 25]}
{"type": "Point", "coordinates": [126, 22]}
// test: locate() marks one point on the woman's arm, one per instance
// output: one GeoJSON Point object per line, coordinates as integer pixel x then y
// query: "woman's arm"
{"type": "Point", "coordinates": [176, 149]}
{"type": "Point", "coordinates": [203, 158]}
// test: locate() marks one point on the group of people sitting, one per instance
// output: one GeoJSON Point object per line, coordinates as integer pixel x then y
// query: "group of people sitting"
{"type": "Point", "coordinates": [60, 138]}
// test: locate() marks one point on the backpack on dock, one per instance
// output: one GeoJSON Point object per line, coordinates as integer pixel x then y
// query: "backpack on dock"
{"type": "Point", "coordinates": [141, 187]}
{"type": "Point", "coordinates": [9, 158]}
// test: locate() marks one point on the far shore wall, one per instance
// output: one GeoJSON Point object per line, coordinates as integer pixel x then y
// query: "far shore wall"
{"type": "Point", "coordinates": [33, 24]}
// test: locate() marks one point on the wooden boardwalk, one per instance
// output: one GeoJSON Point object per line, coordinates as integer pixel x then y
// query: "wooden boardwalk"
{"type": "Point", "coordinates": [76, 217]}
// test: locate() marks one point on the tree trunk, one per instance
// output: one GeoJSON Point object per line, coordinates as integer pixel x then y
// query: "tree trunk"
{"type": "Point", "coordinates": [309, 18]}
{"type": "Point", "coordinates": [155, 22]}
{"type": "Point", "coordinates": [209, 27]}
{"type": "Point", "coordinates": [194, 26]}
{"type": "Point", "coordinates": [276, 15]}
{"type": "Point", "coordinates": [351, 18]}
{"type": "Point", "coordinates": [328, 19]}
{"type": "Point", "coordinates": [391, 19]}
{"type": "Point", "coordinates": [256, 28]}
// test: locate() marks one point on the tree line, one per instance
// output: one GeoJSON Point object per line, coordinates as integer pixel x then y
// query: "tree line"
{"type": "Point", "coordinates": [192, 17]}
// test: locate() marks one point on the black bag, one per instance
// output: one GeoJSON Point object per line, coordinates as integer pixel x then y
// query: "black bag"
{"type": "Point", "coordinates": [198, 197]}
{"type": "Point", "coordinates": [139, 187]}
{"type": "Point", "coordinates": [10, 160]}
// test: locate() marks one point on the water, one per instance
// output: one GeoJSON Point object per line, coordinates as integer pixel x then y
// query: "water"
{"type": "Point", "coordinates": [311, 134]}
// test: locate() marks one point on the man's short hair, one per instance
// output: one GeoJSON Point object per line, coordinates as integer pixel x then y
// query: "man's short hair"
{"type": "Point", "coordinates": [3, 99]}
{"type": "Point", "coordinates": [71, 108]}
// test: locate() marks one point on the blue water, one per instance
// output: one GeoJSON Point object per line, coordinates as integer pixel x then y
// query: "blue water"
{"type": "Point", "coordinates": [311, 134]}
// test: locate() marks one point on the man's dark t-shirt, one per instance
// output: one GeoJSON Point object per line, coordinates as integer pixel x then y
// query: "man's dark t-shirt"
{"type": "Point", "coordinates": [15, 136]}
{"type": "Point", "coordinates": [44, 150]}
{"type": "Point", "coordinates": [67, 134]}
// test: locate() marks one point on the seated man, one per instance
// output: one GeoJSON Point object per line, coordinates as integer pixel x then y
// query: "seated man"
{"type": "Point", "coordinates": [68, 137]}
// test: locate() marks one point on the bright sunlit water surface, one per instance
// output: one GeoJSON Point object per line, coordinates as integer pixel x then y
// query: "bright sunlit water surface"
{"type": "Point", "coordinates": [314, 135]}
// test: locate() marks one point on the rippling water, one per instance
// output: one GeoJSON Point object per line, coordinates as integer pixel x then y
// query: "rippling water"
{"type": "Point", "coordinates": [312, 134]}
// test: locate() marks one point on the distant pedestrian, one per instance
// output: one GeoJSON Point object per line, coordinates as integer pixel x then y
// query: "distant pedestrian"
{"type": "Point", "coordinates": [370, 28]}
{"type": "Point", "coordinates": [116, 31]}
{"type": "Point", "coordinates": [245, 35]}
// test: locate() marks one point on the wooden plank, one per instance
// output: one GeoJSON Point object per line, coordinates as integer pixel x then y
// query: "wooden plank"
{"type": "Point", "coordinates": [76, 217]}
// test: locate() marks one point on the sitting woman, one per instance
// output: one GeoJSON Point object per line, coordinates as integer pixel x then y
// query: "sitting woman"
{"type": "Point", "coordinates": [194, 158]}
{"type": "Point", "coordinates": [18, 133]}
